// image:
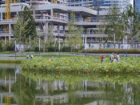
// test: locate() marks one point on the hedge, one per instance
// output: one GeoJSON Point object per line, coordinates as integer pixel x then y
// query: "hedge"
{"type": "Point", "coordinates": [129, 51]}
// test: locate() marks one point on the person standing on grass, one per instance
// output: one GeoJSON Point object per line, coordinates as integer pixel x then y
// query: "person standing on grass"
{"type": "Point", "coordinates": [32, 56]}
{"type": "Point", "coordinates": [27, 56]}
{"type": "Point", "coordinates": [118, 57]}
{"type": "Point", "coordinates": [114, 60]}
{"type": "Point", "coordinates": [112, 57]}
{"type": "Point", "coordinates": [102, 58]}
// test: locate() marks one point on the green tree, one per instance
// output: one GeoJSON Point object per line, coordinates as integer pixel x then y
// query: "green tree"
{"type": "Point", "coordinates": [131, 23]}
{"type": "Point", "coordinates": [25, 26]}
{"type": "Point", "coordinates": [73, 36]}
{"type": "Point", "coordinates": [113, 24]}
{"type": "Point", "coordinates": [50, 38]}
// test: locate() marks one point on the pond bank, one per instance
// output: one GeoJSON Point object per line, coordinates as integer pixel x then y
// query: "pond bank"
{"type": "Point", "coordinates": [83, 65]}
{"type": "Point", "coordinates": [17, 61]}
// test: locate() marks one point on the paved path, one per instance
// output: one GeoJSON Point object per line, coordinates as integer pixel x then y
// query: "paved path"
{"type": "Point", "coordinates": [7, 56]}
{"type": "Point", "coordinates": [80, 54]}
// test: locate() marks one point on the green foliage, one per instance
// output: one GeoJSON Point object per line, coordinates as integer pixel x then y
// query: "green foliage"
{"type": "Point", "coordinates": [31, 26]}
{"type": "Point", "coordinates": [131, 22]}
{"type": "Point", "coordinates": [8, 46]}
{"type": "Point", "coordinates": [122, 24]}
{"type": "Point", "coordinates": [50, 37]}
{"type": "Point", "coordinates": [83, 65]}
{"type": "Point", "coordinates": [73, 36]}
{"type": "Point", "coordinates": [114, 25]}
{"type": "Point", "coordinates": [25, 26]}
{"type": "Point", "coordinates": [129, 51]}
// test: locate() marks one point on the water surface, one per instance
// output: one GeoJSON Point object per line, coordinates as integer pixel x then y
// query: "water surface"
{"type": "Point", "coordinates": [29, 88]}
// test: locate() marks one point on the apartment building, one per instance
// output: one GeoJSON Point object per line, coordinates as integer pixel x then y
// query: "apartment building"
{"type": "Point", "coordinates": [55, 14]}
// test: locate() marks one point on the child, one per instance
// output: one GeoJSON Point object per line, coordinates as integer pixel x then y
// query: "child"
{"type": "Point", "coordinates": [114, 60]}
{"type": "Point", "coordinates": [102, 58]}
{"type": "Point", "coordinates": [118, 57]}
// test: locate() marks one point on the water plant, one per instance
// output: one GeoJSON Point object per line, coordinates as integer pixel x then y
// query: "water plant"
{"type": "Point", "coordinates": [89, 64]}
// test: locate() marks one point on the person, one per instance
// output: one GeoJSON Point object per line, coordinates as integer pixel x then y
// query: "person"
{"type": "Point", "coordinates": [114, 60]}
{"type": "Point", "coordinates": [102, 58]}
{"type": "Point", "coordinates": [32, 56]}
{"type": "Point", "coordinates": [112, 57]}
{"type": "Point", "coordinates": [118, 57]}
{"type": "Point", "coordinates": [27, 56]}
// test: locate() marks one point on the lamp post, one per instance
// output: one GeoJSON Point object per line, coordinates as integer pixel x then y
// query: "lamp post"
{"type": "Point", "coordinates": [114, 40]}
{"type": "Point", "coordinates": [39, 45]}
{"type": "Point", "coordinates": [39, 41]}
{"type": "Point", "coordinates": [15, 49]}
{"type": "Point", "coordinates": [85, 46]}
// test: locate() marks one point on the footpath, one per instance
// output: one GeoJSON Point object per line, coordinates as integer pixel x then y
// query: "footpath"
{"type": "Point", "coordinates": [23, 55]}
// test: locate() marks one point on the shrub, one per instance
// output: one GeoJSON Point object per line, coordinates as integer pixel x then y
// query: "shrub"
{"type": "Point", "coordinates": [129, 51]}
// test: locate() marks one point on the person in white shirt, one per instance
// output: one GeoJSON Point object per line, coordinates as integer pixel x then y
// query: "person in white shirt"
{"type": "Point", "coordinates": [112, 57]}
{"type": "Point", "coordinates": [32, 56]}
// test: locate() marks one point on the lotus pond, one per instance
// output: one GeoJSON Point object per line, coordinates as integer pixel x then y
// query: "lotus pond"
{"type": "Point", "coordinates": [19, 87]}
{"type": "Point", "coordinates": [90, 64]}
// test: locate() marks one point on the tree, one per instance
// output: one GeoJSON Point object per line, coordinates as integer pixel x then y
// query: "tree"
{"type": "Point", "coordinates": [73, 36]}
{"type": "Point", "coordinates": [50, 38]}
{"type": "Point", "coordinates": [25, 26]}
{"type": "Point", "coordinates": [131, 22]}
{"type": "Point", "coordinates": [19, 29]}
{"type": "Point", "coordinates": [114, 26]}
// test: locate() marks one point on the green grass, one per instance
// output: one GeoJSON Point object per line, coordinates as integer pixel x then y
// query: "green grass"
{"type": "Point", "coordinates": [90, 64]}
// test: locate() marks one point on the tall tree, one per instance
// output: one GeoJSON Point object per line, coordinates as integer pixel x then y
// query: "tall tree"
{"type": "Point", "coordinates": [25, 26]}
{"type": "Point", "coordinates": [131, 22]}
{"type": "Point", "coordinates": [50, 38]}
{"type": "Point", "coordinates": [73, 36]}
{"type": "Point", "coordinates": [114, 26]}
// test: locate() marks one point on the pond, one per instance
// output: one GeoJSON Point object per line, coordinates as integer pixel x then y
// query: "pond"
{"type": "Point", "coordinates": [29, 88]}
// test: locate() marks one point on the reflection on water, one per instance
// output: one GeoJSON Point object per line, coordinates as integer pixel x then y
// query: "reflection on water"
{"type": "Point", "coordinates": [28, 88]}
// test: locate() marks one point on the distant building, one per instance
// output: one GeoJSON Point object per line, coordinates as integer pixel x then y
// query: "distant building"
{"type": "Point", "coordinates": [99, 3]}
{"type": "Point", "coordinates": [137, 4]}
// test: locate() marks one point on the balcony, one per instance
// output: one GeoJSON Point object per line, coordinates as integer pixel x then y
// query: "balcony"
{"type": "Point", "coordinates": [10, 21]}
{"type": "Point", "coordinates": [94, 35]}
{"type": "Point", "coordinates": [39, 18]}
{"type": "Point", "coordinates": [15, 7]}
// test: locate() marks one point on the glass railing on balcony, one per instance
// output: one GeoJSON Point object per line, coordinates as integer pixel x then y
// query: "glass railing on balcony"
{"type": "Point", "coordinates": [3, 32]}
{"type": "Point", "coordinates": [47, 17]}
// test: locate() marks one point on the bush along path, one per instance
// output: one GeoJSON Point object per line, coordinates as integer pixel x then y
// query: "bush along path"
{"type": "Point", "coordinates": [83, 65]}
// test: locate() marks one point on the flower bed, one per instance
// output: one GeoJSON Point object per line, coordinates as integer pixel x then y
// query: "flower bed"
{"type": "Point", "coordinates": [83, 65]}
